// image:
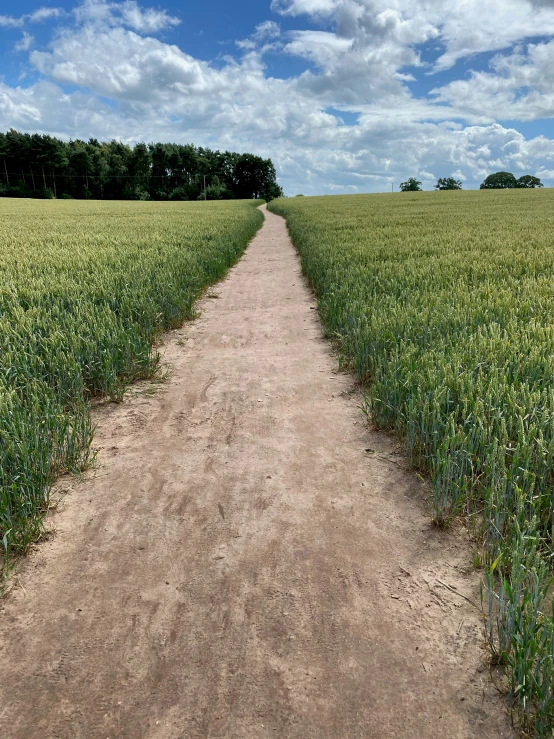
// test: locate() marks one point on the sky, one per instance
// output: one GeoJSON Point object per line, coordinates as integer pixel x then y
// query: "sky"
{"type": "Point", "coordinates": [345, 96]}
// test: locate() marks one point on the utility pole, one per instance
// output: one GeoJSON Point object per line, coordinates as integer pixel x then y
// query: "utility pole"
{"type": "Point", "coordinates": [202, 177]}
{"type": "Point", "coordinates": [392, 186]}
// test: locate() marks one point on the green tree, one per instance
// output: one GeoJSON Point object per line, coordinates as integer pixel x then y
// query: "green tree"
{"type": "Point", "coordinates": [411, 185]}
{"type": "Point", "coordinates": [216, 191]}
{"type": "Point", "coordinates": [139, 169]}
{"type": "Point", "coordinates": [35, 153]}
{"type": "Point", "coordinates": [118, 157]}
{"type": "Point", "coordinates": [159, 173]}
{"type": "Point", "coordinates": [189, 162]}
{"type": "Point", "coordinates": [528, 181]}
{"type": "Point", "coordinates": [227, 166]}
{"type": "Point", "coordinates": [78, 168]}
{"type": "Point", "coordinates": [255, 177]}
{"type": "Point", "coordinates": [101, 169]}
{"type": "Point", "coordinates": [44, 154]}
{"type": "Point", "coordinates": [19, 149]}
{"type": "Point", "coordinates": [38, 165]}
{"type": "Point", "coordinates": [499, 181]}
{"type": "Point", "coordinates": [448, 183]}
{"type": "Point", "coordinates": [4, 150]}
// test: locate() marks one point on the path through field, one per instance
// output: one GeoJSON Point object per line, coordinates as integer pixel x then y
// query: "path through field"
{"type": "Point", "coordinates": [238, 565]}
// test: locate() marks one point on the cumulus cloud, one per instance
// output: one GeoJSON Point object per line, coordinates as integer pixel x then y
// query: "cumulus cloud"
{"type": "Point", "coordinates": [520, 86]}
{"type": "Point", "coordinates": [462, 29]}
{"type": "Point", "coordinates": [363, 59]}
{"type": "Point", "coordinates": [323, 48]}
{"type": "Point", "coordinates": [122, 64]}
{"type": "Point", "coordinates": [46, 108]}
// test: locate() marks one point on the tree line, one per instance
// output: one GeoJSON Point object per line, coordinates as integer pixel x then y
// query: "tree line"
{"type": "Point", "coordinates": [41, 166]}
{"type": "Point", "coordinates": [496, 181]}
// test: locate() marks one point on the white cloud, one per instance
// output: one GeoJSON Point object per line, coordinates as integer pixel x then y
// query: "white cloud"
{"type": "Point", "coordinates": [308, 7]}
{"type": "Point", "coordinates": [265, 31]}
{"type": "Point", "coordinates": [462, 28]}
{"type": "Point", "coordinates": [545, 174]}
{"type": "Point", "coordinates": [8, 21]}
{"type": "Point", "coordinates": [128, 13]}
{"type": "Point", "coordinates": [145, 21]}
{"type": "Point", "coordinates": [491, 26]}
{"type": "Point", "coordinates": [520, 86]}
{"type": "Point", "coordinates": [42, 14]}
{"type": "Point", "coordinates": [45, 108]}
{"type": "Point", "coordinates": [93, 11]}
{"type": "Point", "coordinates": [319, 46]}
{"type": "Point", "coordinates": [357, 60]}
{"type": "Point", "coordinates": [25, 43]}
{"type": "Point", "coordinates": [122, 64]}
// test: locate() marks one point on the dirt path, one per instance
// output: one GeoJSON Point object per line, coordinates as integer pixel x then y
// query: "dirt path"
{"type": "Point", "coordinates": [238, 565]}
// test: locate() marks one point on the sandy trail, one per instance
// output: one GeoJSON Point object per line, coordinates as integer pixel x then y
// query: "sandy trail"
{"type": "Point", "coordinates": [238, 566]}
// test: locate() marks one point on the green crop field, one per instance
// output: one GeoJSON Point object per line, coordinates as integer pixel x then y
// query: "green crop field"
{"type": "Point", "coordinates": [85, 289]}
{"type": "Point", "coordinates": [443, 304]}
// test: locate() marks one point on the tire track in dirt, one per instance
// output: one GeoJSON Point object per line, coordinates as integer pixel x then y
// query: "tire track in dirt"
{"type": "Point", "coordinates": [237, 566]}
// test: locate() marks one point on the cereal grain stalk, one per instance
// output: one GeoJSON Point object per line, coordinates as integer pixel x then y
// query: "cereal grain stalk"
{"type": "Point", "coordinates": [443, 305]}
{"type": "Point", "coordinates": [85, 290]}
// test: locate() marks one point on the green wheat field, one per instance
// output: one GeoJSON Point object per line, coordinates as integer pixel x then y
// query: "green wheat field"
{"type": "Point", "coordinates": [85, 290]}
{"type": "Point", "coordinates": [443, 305]}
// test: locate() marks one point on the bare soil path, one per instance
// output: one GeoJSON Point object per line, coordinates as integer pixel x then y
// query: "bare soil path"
{"type": "Point", "coordinates": [238, 565]}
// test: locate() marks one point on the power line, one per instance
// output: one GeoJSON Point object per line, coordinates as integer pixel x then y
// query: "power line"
{"type": "Point", "coordinates": [92, 176]}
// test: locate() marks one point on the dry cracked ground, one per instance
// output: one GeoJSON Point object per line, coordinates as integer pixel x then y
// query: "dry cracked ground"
{"type": "Point", "coordinates": [238, 565]}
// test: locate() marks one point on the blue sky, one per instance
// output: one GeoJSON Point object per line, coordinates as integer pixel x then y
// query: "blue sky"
{"type": "Point", "coordinates": [343, 95]}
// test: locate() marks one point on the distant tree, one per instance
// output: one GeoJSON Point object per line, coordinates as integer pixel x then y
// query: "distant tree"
{"type": "Point", "coordinates": [4, 152]}
{"type": "Point", "coordinates": [529, 181]}
{"type": "Point", "coordinates": [499, 181]}
{"type": "Point", "coordinates": [78, 168]}
{"type": "Point", "coordinates": [448, 183]}
{"type": "Point", "coordinates": [216, 191]}
{"type": "Point", "coordinates": [255, 177]}
{"type": "Point", "coordinates": [139, 169]}
{"type": "Point", "coordinates": [34, 165]}
{"type": "Point", "coordinates": [272, 191]}
{"type": "Point", "coordinates": [412, 185]}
